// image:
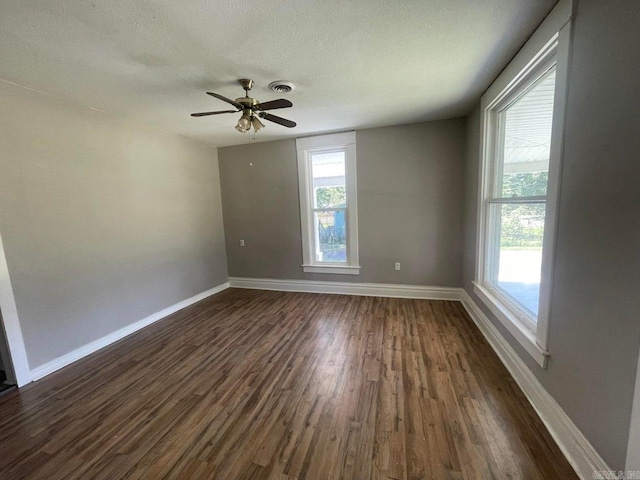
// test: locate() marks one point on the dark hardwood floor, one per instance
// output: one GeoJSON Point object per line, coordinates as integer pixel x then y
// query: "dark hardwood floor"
{"type": "Point", "coordinates": [269, 385]}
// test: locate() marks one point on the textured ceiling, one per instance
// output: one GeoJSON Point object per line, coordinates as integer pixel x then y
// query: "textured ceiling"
{"type": "Point", "coordinates": [356, 64]}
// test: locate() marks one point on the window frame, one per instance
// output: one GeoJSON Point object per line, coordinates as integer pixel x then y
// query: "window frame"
{"type": "Point", "coordinates": [548, 47]}
{"type": "Point", "coordinates": [306, 147]}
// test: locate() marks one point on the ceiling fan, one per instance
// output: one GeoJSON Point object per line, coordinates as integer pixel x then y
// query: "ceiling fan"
{"type": "Point", "coordinates": [251, 109]}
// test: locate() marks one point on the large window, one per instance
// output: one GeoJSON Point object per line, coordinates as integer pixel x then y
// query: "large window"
{"type": "Point", "coordinates": [328, 203]}
{"type": "Point", "coordinates": [521, 147]}
{"type": "Point", "coordinates": [516, 204]}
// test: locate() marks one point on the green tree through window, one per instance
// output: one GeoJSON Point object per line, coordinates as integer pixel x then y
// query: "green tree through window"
{"type": "Point", "coordinates": [523, 225]}
{"type": "Point", "coordinates": [330, 197]}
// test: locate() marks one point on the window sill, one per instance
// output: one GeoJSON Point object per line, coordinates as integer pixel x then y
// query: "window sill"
{"type": "Point", "coordinates": [523, 335]}
{"type": "Point", "coordinates": [339, 269]}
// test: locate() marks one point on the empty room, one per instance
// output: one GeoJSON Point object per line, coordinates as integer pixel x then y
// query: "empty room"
{"type": "Point", "coordinates": [289, 240]}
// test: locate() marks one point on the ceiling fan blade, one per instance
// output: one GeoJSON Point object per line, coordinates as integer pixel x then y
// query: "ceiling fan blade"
{"type": "Point", "coordinates": [282, 121]}
{"type": "Point", "coordinates": [204, 114]}
{"type": "Point", "coordinates": [273, 104]}
{"type": "Point", "coordinates": [225, 99]}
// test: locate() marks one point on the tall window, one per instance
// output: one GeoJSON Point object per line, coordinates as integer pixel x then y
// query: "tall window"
{"type": "Point", "coordinates": [518, 196]}
{"type": "Point", "coordinates": [328, 203]}
{"type": "Point", "coordinates": [522, 115]}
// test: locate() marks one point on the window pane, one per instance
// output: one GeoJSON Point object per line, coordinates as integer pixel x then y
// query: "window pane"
{"type": "Point", "coordinates": [331, 236]}
{"type": "Point", "coordinates": [527, 140]}
{"type": "Point", "coordinates": [328, 174]}
{"type": "Point", "coordinates": [330, 197]}
{"type": "Point", "coordinates": [520, 252]}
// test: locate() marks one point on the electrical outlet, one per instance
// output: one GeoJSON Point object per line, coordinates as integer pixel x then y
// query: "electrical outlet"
{"type": "Point", "coordinates": [242, 243]}
{"type": "Point", "coordinates": [397, 265]}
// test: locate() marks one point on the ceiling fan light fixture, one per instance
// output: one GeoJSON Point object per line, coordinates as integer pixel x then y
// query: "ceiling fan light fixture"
{"type": "Point", "coordinates": [244, 123]}
{"type": "Point", "coordinates": [257, 124]}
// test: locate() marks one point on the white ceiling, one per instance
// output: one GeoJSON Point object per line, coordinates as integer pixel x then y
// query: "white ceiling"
{"type": "Point", "coordinates": [356, 64]}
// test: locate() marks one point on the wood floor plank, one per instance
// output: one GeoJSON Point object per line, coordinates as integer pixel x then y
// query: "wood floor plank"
{"type": "Point", "coordinates": [254, 385]}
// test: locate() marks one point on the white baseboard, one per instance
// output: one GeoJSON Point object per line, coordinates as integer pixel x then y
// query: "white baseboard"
{"type": "Point", "coordinates": [579, 452]}
{"type": "Point", "coordinates": [348, 288]}
{"type": "Point", "coordinates": [56, 364]}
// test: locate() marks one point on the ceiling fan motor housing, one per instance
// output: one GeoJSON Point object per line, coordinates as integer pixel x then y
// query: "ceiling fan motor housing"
{"type": "Point", "coordinates": [247, 102]}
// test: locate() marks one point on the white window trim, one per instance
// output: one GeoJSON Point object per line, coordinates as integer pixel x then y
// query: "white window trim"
{"type": "Point", "coordinates": [305, 147]}
{"type": "Point", "coordinates": [549, 43]}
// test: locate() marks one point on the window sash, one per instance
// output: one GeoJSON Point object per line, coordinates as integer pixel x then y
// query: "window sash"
{"type": "Point", "coordinates": [316, 240]}
{"type": "Point", "coordinates": [332, 209]}
{"type": "Point", "coordinates": [531, 199]}
{"type": "Point", "coordinates": [492, 263]}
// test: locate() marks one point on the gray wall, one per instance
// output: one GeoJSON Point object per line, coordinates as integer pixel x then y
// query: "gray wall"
{"type": "Point", "coordinates": [409, 206]}
{"type": "Point", "coordinates": [595, 305]}
{"type": "Point", "coordinates": [104, 221]}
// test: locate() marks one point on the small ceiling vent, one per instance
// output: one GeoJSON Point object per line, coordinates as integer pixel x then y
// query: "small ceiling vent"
{"type": "Point", "coordinates": [281, 86]}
